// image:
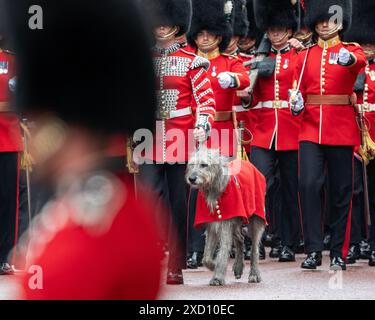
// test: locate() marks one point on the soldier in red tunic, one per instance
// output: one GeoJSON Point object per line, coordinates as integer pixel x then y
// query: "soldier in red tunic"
{"type": "Point", "coordinates": [210, 34]}
{"type": "Point", "coordinates": [10, 147]}
{"type": "Point", "coordinates": [95, 240]}
{"type": "Point", "coordinates": [182, 87]}
{"type": "Point", "coordinates": [363, 32]}
{"type": "Point", "coordinates": [276, 131]}
{"type": "Point", "coordinates": [325, 75]}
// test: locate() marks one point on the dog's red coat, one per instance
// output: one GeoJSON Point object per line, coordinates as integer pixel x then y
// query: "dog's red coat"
{"type": "Point", "coordinates": [243, 197]}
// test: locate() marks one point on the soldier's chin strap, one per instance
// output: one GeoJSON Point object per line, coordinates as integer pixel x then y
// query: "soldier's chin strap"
{"type": "Point", "coordinates": [170, 35]}
{"type": "Point", "coordinates": [331, 32]}
{"type": "Point", "coordinates": [211, 46]}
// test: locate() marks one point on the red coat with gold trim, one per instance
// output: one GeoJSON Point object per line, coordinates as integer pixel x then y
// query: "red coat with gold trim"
{"type": "Point", "coordinates": [222, 135]}
{"type": "Point", "coordinates": [10, 132]}
{"type": "Point", "coordinates": [182, 83]}
{"type": "Point", "coordinates": [276, 124]}
{"type": "Point", "coordinates": [248, 116]}
{"type": "Point", "coordinates": [368, 96]}
{"type": "Point", "coordinates": [243, 197]}
{"type": "Point", "coordinates": [329, 124]}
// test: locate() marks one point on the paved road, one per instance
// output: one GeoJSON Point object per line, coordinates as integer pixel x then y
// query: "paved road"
{"type": "Point", "coordinates": [280, 281]}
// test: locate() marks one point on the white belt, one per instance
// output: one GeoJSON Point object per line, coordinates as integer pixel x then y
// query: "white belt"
{"type": "Point", "coordinates": [241, 109]}
{"type": "Point", "coordinates": [282, 104]}
{"type": "Point", "coordinates": [164, 115]}
{"type": "Point", "coordinates": [369, 107]}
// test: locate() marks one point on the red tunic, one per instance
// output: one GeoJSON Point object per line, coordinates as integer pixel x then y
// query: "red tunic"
{"type": "Point", "coordinates": [10, 132]}
{"type": "Point", "coordinates": [275, 123]}
{"type": "Point", "coordinates": [113, 256]}
{"type": "Point", "coordinates": [329, 124]}
{"type": "Point", "coordinates": [248, 116]}
{"type": "Point", "coordinates": [222, 136]}
{"type": "Point", "coordinates": [182, 84]}
{"type": "Point", "coordinates": [243, 197]}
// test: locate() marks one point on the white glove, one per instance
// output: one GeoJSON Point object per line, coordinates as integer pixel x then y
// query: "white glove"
{"type": "Point", "coordinates": [200, 135]}
{"type": "Point", "coordinates": [344, 57]}
{"type": "Point", "coordinates": [12, 84]}
{"type": "Point", "coordinates": [225, 80]}
{"type": "Point", "coordinates": [296, 101]}
{"type": "Point", "coordinates": [202, 128]}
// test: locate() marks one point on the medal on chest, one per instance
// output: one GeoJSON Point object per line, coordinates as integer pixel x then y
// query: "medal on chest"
{"type": "Point", "coordinates": [286, 64]}
{"type": "Point", "coordinates": [3, 67]}
{"type": "Point", "coordinates": [174, 64]}
{"type": "Point", "coordinates": [214, 74]}
{"type": "Point", "coordinates": [333, 57]}
{"type": "Point", "coordinates": [372, 75]}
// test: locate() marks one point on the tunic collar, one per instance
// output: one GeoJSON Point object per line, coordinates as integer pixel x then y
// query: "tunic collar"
{"type": "Point", "coordinates": [210, 55]}
{"type": "Point", "coordinates": [325, 44]}
{"type": "Point", "coordinates": [166, 51]}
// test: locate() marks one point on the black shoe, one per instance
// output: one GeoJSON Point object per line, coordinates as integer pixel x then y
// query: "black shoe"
{"type": "Point", "coordinates": [313, 260]}
{"type": "Point", "coordinates": [287, 255]}
{"type": "Point", "coordinates": [262, 251]}
{"type": "Point", "coordinates": [275, 251]}
{"type": "Point", "coordinates": [337, 264]}
{"type": "Point", "coordinates": [248, 254]}
{"type": "Point", "coordinates": [353, 254]}
{"type": "Point", "coordinates": [301, 247]}
{"type": "Point", "coordinates": [175, 277]}
{"type": "Point", "coordinates": [195, 260]}
{"type": "Point", "coordinates": [327, 242]}
{"type": "Point", "coordinates": [6, 269]}
{"type": "Point", "coordinates": [365, 250]}
{"type": "Point", "coordinates": [371, 261]}
{"type": "Point", "coordinates": [268, 240]}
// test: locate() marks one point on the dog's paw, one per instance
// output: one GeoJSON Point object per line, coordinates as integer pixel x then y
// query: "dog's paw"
{"type": "Point", "coordinates": [209, 264]}
{"type": "Point", "coordinates": [217, 282]}
{"type": "Point", "coordinates": [254, 278]}
{"type": "Point", "coordinates": [238, 270]}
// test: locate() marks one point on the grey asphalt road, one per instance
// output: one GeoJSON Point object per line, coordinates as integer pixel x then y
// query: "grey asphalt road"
{"type": "Point", "coordinates": [286, 281]}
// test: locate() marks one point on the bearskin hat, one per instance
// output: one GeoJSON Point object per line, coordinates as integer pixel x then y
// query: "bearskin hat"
{"type": "Point", "coordinates": [321, 10]}
{"type": "Point", "coordinates": [87, 78]}
{"type": "Point", "coordinates": [213, 16]}
{"type": "Point", "coordinates": [274, 13]}
{"type": "Point", "coordinates": [170, 13]}
{"type": "Point", "coordinates": [241, 22]}
{"type": "Point", "coordinates": [363, 24]}
{"type": "Point", "coordinates": [253, 31]}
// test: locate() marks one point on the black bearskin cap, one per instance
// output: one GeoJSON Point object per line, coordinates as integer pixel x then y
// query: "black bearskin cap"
{"type": "Point", "coordinates": [363, 22]}
{"type": "Point", "coordinates": [210, 15]}
{"type": "Point", "coordinates": [241, 22]}
{"type": "Point", "coordinates": [321, 10]}
{"type": "Point", "coordinates": [274, 13]}
{"type": "Point", "coordinates": [169, 12]}
{"type": "Point", "coordinates": [81, 66]}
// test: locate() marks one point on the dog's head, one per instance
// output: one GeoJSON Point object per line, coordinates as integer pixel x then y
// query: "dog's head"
{"type": "Point", "coordinates": [206, 167]}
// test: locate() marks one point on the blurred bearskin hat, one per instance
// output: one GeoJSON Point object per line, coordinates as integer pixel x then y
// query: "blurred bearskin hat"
{"type": "Point", "coordinates": [80, 67]}
{"type": "Point", "coordinates": [253, 31]}
{"type": "Point", "coordinates": [214, 16]}
{"type": "Point", "coordinates": [274, 13]}
{"type": "Point", "coordinates": [363, 24]}
{"type": "Point", "coordinates": [319, 11]}
{"type": "Point", "coordinates": [169, 13]}
{"type": "Point", "coordinates": [241, 22]}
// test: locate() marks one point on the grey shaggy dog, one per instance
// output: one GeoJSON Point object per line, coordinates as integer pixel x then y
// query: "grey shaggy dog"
{"type": "Point", "coordinates": [207, 171]}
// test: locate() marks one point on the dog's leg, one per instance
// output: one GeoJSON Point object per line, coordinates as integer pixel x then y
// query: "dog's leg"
{"type": "Point", "coordinates": [221, 262]}
{"type": "Point", "coordinates": [256, 230]}
{"type": "Point", "coordinates": [211, 244]}
{"type": "Point", "coordinates": [238, 240]}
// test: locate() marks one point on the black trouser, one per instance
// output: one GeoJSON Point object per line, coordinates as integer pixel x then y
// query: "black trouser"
{"type": "Point", "coordinates": [174, 175]}
{"type": "Point", "coordinates": [288, 221]}
{"type": "Point", "coordinates": [196, 236]}
{"type": "Point", "coordinates": [358, 220]}
{"type": "Point", "coordinates": [371, 191]}
{"type": "Point", "coordinates": [9, 180]}
{"type": "Point", "coordinates": [312, 160]}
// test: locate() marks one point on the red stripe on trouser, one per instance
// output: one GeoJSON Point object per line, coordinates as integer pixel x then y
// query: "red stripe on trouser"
{"type": "Point", "coordinates": [17, 209]}
{"type": "Point", "coordinates": [345, 246]}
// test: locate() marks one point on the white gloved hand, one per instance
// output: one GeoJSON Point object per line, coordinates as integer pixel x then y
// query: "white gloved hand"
{"type": "Point", "coordinates": [202, 128]}
{"type": "Point", "coordinates": [200, 134]}
{"type": "Point", "coordinates": [12, 84]}
{"type": "Point", "coordinates": [344, 56]}
{"type": "Point", "coordinates": [225, 80]}
{"type": "Point", "coordinates": [297, 104]}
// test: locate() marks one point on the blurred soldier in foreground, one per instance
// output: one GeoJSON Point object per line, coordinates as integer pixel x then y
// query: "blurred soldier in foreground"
{"type": "Point", "coordinates": [80, 86]}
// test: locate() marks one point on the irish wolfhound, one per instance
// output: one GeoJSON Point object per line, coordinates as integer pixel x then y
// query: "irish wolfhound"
{"type": "Point", "coordinates": [227, 199]}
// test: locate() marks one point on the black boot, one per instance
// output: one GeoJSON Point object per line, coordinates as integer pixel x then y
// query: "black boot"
{"type": "Point", "coordinates": [287, 255]}
{"type": "Point", "coordinates": [313, 260]}
{"type": "Point", "coordinates": [6, 269]}
{"type": "Point", "coordinates": [195, 260]}
{"type": "Point", "coordinates": [301, 247]}
{"type": "Point", "coordinates": [371, 261]}
{"type": "Point", "coordinates": [275, 251]}
{"type": "Point", "coordinates": [337, 264]}
{"type": "Point", "coordinates": [353, 254]}
{"type": "Point", "coordinates": [365, 250]}
{"type": "Point", "coordinates": [175, 276]}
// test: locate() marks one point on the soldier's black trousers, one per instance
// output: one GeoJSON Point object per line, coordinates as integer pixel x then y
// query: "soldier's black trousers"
{"type": "Point", "coordinates": [162, 176]}
{"type": "Point", "coordinates": [312, 161]}
{"type": "Point", "coordinates": [9, 179]}
{"type": "Point", "coordinates": [288, 219]}
{"type": "Point", "coordinates": [371, 191]}
{"type": "Point", "coordinates": [196, 237]}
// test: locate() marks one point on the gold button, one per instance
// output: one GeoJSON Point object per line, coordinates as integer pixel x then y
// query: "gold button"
{"type": "Point", "coordinates": [219, 216]}
{"type": "Point", "coordinates": [218, 211]}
